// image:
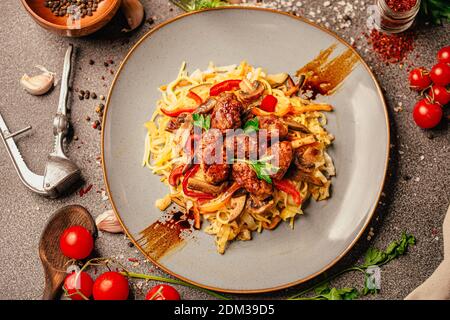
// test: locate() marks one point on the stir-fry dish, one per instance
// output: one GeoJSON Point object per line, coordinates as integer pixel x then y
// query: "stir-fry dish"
{"type": "Point", "coordinates": [240, 149]}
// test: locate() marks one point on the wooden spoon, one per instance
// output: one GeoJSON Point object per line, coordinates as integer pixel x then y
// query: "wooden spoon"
{"type": "Point", "coordinates": [53, 261]}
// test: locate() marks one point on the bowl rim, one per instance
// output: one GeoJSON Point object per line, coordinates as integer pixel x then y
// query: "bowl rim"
{"type": "Point", "coordinates": [112, 7]}
{"type": "Point", "coordinates": [369, 217]}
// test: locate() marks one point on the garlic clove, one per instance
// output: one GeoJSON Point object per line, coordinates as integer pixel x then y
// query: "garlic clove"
{"type": "Point", "coordinates": [108, 222]}
{"type": "Point", "coordinates": [39, 84]}
{"type": "Point", "coordinates": [134, 13]}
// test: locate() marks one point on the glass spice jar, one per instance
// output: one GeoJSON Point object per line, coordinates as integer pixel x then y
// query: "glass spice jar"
{"type": "Point", "coordinates": [396, 15]}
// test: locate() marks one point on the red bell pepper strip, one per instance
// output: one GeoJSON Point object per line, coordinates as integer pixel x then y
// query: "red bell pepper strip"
{"type": "Point", "coordinates": [199, 195]}
{"type": "Point", "coordinates": [177, 112]}
{"type": "Point", "coordinates": [195, 97]}
{"type": "Point", "coordinates": [287, 186]}
{"type": "Point", "coordinates": [223, 86]}
{"type": "Point", "coordinates": [175, 175]}
{"type": "Point", "coordinates": [269, 103]}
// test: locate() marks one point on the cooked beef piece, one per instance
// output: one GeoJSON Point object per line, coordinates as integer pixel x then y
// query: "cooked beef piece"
{"type": "Point", "coordinates": [213, 157]}
{"type": "Point", "coordinates": [242, 146]}
{"type": "Point", "coordinates": [282, 153]}
{"type": "Point", "coordinates": [246, 177]}
{"type": "Point", "coordinates": [227, 112]}
{"type": "Point", "coordinates": [274, 126]}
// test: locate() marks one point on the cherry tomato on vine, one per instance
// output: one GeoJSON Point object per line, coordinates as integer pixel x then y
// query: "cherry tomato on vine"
{"type": "Point", "coordinates": [162, 292]}
{"type": "Point", "coordinates": [426, 114]}
{"type": "Point", "coordinates": [439, 94]}
{"type": "Point", "coordinates": [440, 74]}
{"type": "Point", "coordinates": [444, 55]}
{"type": "Point", "coordinates": [111, 286]}
{"type": "Point", "coordinates": [76, 242]}
{"type": "Point", "coordinates": [81, 281]}
{"type": "Point", "coordinates": [419, 79]}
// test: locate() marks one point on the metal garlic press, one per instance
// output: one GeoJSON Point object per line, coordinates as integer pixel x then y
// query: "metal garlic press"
{"type": "Point", "coordinates": [60, 171]}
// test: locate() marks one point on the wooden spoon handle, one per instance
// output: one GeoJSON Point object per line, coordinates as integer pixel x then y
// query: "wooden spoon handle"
{"type": "Point", "coordinates": [52, 287]}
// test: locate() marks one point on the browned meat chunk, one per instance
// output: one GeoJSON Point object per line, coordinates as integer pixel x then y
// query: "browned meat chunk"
{"type": "Point", "coordinates": [242, 147]}
{"type": "Point", "coordinates": [227, 112]}
{"type": "Point", "coordinates": [274, 126]}
{"type": "Point", "coordinates": [282, 152]}
{"type": "Point", "coordinates": [245, 176]}
{"type": "Point", "coordinates": [213, 157]}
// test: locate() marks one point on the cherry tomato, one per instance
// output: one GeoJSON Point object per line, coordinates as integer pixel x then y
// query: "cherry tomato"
{"type": "Point", "coordinates": [111, 286]}
{"type": "Point", "coordinates": [426, 114]}
{"type": "Point", "coordinates": [440, 74]}
{"type": "Point", "coordinates": [419, 79]}
{"type": "Point", "coordinates": [76, 242]}
{"type": "Point", "coordinates": [81, 281]}
{"type": "Point", "coordinates": [269, 103]}
{"type": "Point", "coordinates": [162, 292]}
{"type": "Point", "coordinates": [444, 55]}
{"type": "Point", "coordinates": [439, 94]}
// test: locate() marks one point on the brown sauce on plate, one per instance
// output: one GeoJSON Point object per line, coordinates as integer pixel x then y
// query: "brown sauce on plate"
{"type": "Point", "coordinates": [323, 76]}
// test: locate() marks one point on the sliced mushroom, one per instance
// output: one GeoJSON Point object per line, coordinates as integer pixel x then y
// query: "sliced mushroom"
{"type": "Point", "coordinates": [237, 206]}
{"type": "Point", "coordinates": [175, 123]}
{"type": "Point", "coordinates": [207, 106]}
{"type": "Point", "coordinates": [203, 186]}
{"type": "Point", "coordinates": [258, 208]}
{"type": "Point", "coordinates": [276, 80]}
{"type": "Point", "coordinates": [250, 92]}
{"type": "Point", "coordinates": [294, 125]}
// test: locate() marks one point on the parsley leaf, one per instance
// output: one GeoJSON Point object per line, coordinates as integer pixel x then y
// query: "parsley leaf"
{"type": "Point", "coordinates": [201, 121]}
{"type": "Point", "coordinates": [373, 257]}
{"type": "Point", "coordinates": [324, 292]}
{"type": "Point", "coordinates": [262, 167]}
{"type": "Point", "coordinates": [376, 257]}
{"type": "Point", "coordinates": [251, 125]}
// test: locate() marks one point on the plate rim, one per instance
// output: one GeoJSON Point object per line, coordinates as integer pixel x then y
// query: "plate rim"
{"type": "Point", "coordinates": [368, 219]}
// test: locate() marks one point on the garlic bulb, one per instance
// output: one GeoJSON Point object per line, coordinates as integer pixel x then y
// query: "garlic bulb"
{"type": "Point", "coordinates": [108, 222]}
{"type": "Point", "coordinates": [39, 84]}
{"type": "Point", "coordinates": [134, 13]}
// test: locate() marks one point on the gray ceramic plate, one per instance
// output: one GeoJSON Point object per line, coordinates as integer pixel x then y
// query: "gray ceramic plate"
{"type": "Point", "coordinates": [279, 43]}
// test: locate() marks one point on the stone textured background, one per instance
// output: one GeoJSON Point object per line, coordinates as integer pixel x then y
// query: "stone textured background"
{"type": "Point", "coordinates": [415, 199]}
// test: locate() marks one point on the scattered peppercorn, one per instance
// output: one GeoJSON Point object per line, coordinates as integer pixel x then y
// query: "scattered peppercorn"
{"type": "Point", "coordinates": [102, 97]}
{"type": "Point", "coordinates": [75, 138]}
{"type": "Point", "coordinates": [91, 62]}
{"type": "Point", "coordinates": [93, 95]}
{"type": "Point", "coordinates": [75, 9]}
{"type": "Point", "coordinates": [88, 118]}
{"type": "Point", "coordinates": [106, 64]}
{"type": "Point", "coordinates": [130, 244]}
{"type": "Point", "coordinates": [430, 135]}
{"type": "Point", "coordinates": [81, 97]}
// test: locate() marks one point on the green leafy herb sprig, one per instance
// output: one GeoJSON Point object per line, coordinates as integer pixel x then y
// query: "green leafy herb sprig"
{"type": "Point", "coordinates": [262, 167]}
{"type": "Point", "coordinates": [251, 126]}
{"type": "Point", "coordinates": [373, 257]}
{"type": "Point", "coordinates": [193, 5]}
{"type": "Point", "coordinates": [437, 11]}
{"type": "Point", "coordinates": [201, 121]}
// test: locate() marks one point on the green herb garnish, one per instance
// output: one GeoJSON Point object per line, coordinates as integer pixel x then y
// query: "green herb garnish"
{"type": "Point", "coordinates": [251, 125]}
{"type": "Point", "coordinates": [262, 167]}
{"type": "Point", "coordinates": [193, 5]}
{"type": "Point", "coordinates": [437, 11]}
{"type": "Point", "coordinates": [201, 121]}
{"type": "Point", "coordinates": [373, 257]}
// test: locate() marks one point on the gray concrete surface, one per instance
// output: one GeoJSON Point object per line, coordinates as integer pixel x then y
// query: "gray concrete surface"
{"type": "Point", "coordinates": [416, 205]}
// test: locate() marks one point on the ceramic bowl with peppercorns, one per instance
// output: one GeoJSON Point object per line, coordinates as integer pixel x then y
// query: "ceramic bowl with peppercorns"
{"type": "Point", "coordinates": [72, 18]}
